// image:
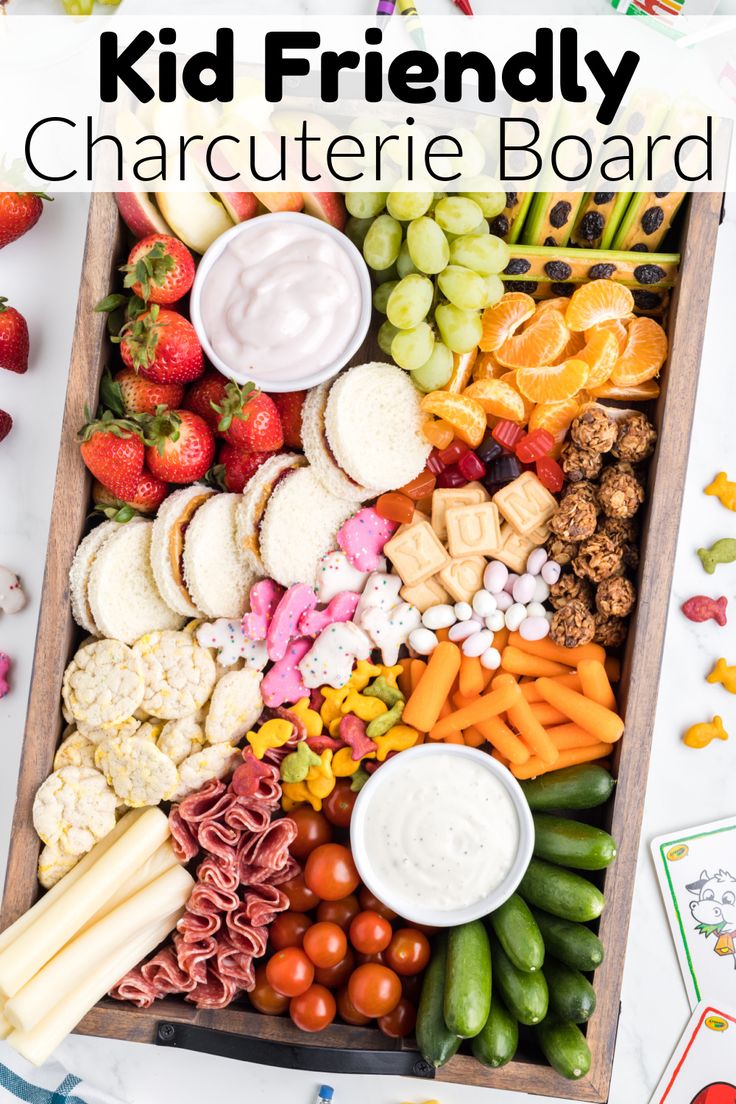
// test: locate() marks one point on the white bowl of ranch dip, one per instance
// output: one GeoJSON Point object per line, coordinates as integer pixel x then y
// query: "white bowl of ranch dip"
{"type": "Point", "coordinates": [442, 834]}
{"type": "Point", "coordinates": [282, 300]}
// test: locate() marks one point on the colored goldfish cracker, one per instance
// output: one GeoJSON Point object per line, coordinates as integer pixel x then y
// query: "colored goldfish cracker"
{"type": "Point", "coordinates": [723, 489]}
{"type": "Point", "coordinates": [367, 708]}
{"type": "Point", "coordinates": [423, 707]}
{"type": "Point", "coordinates": [272, 734]}
{"type": "Point", "coordinates": [506, 742]}
{"type": "Point", "coordinates": [299, 794]}
{"type": "Point", "coordinates": [531, 731]}
{"type": "Point", "coordinates": [343, 764]}
{"type": "Point", "coordinates": [547, 649]}
{"type": "Point", "coordinates": [595, 683]}
{"type": "Point", "coordinates": [546, 714]}
{"type": "Point", "coordinates": [722, 552]}
{"type": "Point", "coordinates": [568, 736]}
{"type": "Point", "coordinates": [472, 682]}
{"type": "Point", "coordinates": [700, 735]}
{"type": "Point", "coordinates": [702, 608]}
{"type": "Point", "coordinates": [594, 718]}
{"type": "Point", "coordinates": [531, 691]}
{"type": "Point", "coordinates": [536, 766]}
{"type": "Point", "coordinates": [488, 705]}
{"type": "Point", "coordinates": [723, 675]}
{"type": "Point", "coordinates": [398, 738]}
{"type": "Point", "coordinates": [517, 662]}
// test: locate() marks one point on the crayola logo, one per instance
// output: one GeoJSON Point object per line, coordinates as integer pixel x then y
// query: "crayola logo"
{"type": "Point", "coordinates": [678, 852]}
{"type": "Point", "coordinates": [716, 1023]}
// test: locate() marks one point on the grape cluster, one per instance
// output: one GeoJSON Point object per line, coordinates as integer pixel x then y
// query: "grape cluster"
{"type": "Point", "coordinates": [436, 265]}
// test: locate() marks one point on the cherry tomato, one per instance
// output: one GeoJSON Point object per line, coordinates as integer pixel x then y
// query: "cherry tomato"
{"type": "Point", "coordinates": [408, 952]}
{"type": "Point", "coordinates": [314, 1010]}
{"type": "Point", "coordinates": [264, 997]}
{"type": "Point", "coordinates": [371, 904]}
{"type": "Point", "coordinates": [370, 933]}
{"type": "Point", "coordinates": [331, 873]}
{"type": "Point", "coordinates": [290, 972]}
{"type": "Point", "coordinates": [335, 976]}
{"type": "Point", "coordinates": [338, 805]}
{"type": "Point", "coordinates": [312, 830]}
{"type": "Point", "coordinates": [374, 990]}
{"type": "Point", "coordinates": [399, 1023]}
{"type": "Point", "coordinates": [288, 930]}
{"type": "Point", "coordinates": [326, 944]}
{"type": "Point", "coordinates": [348, 1012]}
{"type": "Point", "coordinates": [339, 912]}
{"type": "Point", "coordinates": [411, 987]}
{"type": "Point", "coordinates": [368, 959]}
{"type": "Point", "coordinates": [301, 897]}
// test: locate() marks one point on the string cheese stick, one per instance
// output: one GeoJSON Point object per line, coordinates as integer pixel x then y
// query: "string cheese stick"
{"type": "Point", "coordinates": [87, 952]}
{"type": "Point", "coordinates": [160, 861]}
{"type": "Point", "coordinates": [71, 910]}
{"type": "Point", "coordinates": [36, 1046]}
{"type": "Point", "coordinates": [5, 1027]}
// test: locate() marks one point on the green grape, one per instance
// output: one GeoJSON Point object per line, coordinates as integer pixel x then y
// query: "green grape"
{"type": "Point", "coordinates": [436, 372]}
{"type": "Point", "coordinates": [382, 243]}
{"type": "Point", "coordinates": [404, 263]}
{"type": "Point", "coordinates": [428, 246]}
{"type": "Point", "coordinates": [356, 229]}
{"type": "Point", "coordinates": [480, 229]}
{"type": "Point", "coordinates": [406, 206]}
{"type": "Point", "coordinates": [365, 204]}
{"type": "Point", "coordinates": [490, 203]}
{"type": "Point", "coordinates": [460, 330]}
{"type": "Point", "coordinates": [386, 275]}
{"type": "Point", "coordinates": [485, 255]}
{"type": "Point", "coordinates": [382, 293]}
{"type": "Point", "coordinates": [436, 199]}
{"type": "Point", "coordinates": [462, 287]}
{"type": "Point", "coordinates": [410, 301]}
{"type": "Point", "coordinates": [413, 348]}
{"type": "Point", "coordinates": [384, 337]}
{"type": "Point", "coordinates": [494, 290]}
{"type": "Point", "coordinates": [458, 215]}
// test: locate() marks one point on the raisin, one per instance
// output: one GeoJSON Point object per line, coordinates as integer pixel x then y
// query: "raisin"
{"type": "Point", "coordinates": [661, 195]}
{"type": "Point", "coordinates": [649, 273]}
{"type": "Point", "coordinates": [563, 289]}
{"type": "Point", "coordinates": [636, 122]}
{"type": "Point", "coordinates": [517, 266]}
{"type": "Point", "coordinates": [646, 300]}
{"type": "Point", "coordinates": [652, 219]}
{"type": "Point", "coordinates": [559, 214]}
{"type": "Point", "coordinates": [591, 226]}
{"type": "Point", "coordinates": [512, 198]}
{"type": "Point", "coordinates": [640, 247]}
{"type": "Point", "coordinates": [500, 226]}
{"type": "Point", "coordinates": [603, 197]}
{"type": "Point", "coordinates": [558, 270]}
{"type": "Point", "coordinates": [529, 286]}
{"type": "Point", "coordinates": [601, 271]}
{"type": "Point", "coordinates": [550, 241]}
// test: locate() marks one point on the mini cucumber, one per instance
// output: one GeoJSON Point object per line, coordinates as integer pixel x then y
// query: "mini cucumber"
{"type": "Point", "coordinates": [561, 892]}
{"type": "Point", "coordinates": [497, 1042]}
{"type": "Point", "coordinates": [467, 999]}
{"type": "Point", "coordinates": [581, 787]}
{"type": "Point", "coordinates": [571, 996]}
{"type": "Point", "coordinates": [571, 843]}
{"type": "Point", "coordinates": [571, 943]}
{"type": "Point", "coordinates": [525, 995]}
{"type": "Point", "coordinates": [564, 1047]}
{"type": "Point", "coordinates": [518, 934]}
{"type": "Point", "coordinates": [436, 1043]}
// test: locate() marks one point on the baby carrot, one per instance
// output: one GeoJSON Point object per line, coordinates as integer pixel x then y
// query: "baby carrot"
{"type": "Point", "coordinates": [536, 766]}
{"type": "Point", "coordinates": [488, 705]}
{"type": "Point", "coordinates": [498, 733]}
{"type": "Point", "coordinates": [441, 634]}
{"type": "Point", "coordinates": [531, 731]}
{"type": "Point", "coordinates": [498, 756]}
{"type": "Point", "coordinates": [473, 736]}
{"type": "Point", "coordinates": [517, 662]}
{"type": "Point", "coordinates": [417, 669]}
{"type": "Point", "coordinates": [613, 668]}
{"type": "Point", "coordinates": [500, 639]}
{"type": "Point", "coordinates": [404, 679]}
{"type": "Point", "coordinates": [455, 736]}
{"type": "Point", "coordinates": [471, 676]}
{"type": "Point", "coordinates": [547, 649]}
{"type": "Point", "coordinates": [546, 714]}
{"type": "Point", "coordinates": [530, 690]}
{"type": "Point", "coordinates": [595, 683]}
{"type": "Point", "coordinates": [423, 707]}
{"type": "Point", "coordinates": [567, 736]}
{"type": "Point", "coordinates": [461, 700]}
{"type": "Point", "coordinates": [591, 716]}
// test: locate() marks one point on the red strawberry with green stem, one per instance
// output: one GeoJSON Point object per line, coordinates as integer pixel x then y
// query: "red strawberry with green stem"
{"type": "Point", "coordinates": [180, 446]}
{"type": "Point", "coordinates": [150, 493]}
{"type": "Point", "coordinates": [205, 395]}
{"type": "Point", "coordinates": [236, 466]}
{"type": "Point", "coordinates": [162, 345]}
{"type": "Point", "coordinates": [249, 419]}
{"type": "Point", "coordinates": [128, 393]}
{"type": "Point", "coordinates": [113, 450]}
{"type": "Point", "coordinates": [19, 211]}
{"type": "Point", "coordinates": [160, 269]}
{"type": "Point", "coordinates": [14, 343]}
{"type": "Point", "coordinates": [6, 424]}
{"type": "Point", "coordinates": [289, 405]}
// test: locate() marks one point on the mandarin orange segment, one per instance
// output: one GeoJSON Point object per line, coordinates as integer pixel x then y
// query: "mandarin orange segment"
{"type": "Point", "coordinates": [466, 416]}
{"type": "Point", "coordinates": [498, 398]}
{"type": "Point", "coordinates": [502, 320]}
{"type": "Point", "coordinates": [644, 355]}
{"type": "Point", "coordinates": [615, 326]}
{"type": "Point", "coordinates": [510, 379]}
{"type": "Point", "coordinates": [462, 370]}
{"type": "Point", "coordinates": [598, 301]}
{"type": "Point", "coordinates": [487, 367]}
{"type": "Point", "coordinates": [641, 392]}
{"type": "Point", "coordinates": [558, 304]}
{"type": "Point", "coordinates": [553, 384]}
{"type": "Point", "coordinates": [600, 353]}
{"type": "Point", "coordinates": [573, 347]}
{"type": "Point", "coordinates": [540, 344]}
{"type": "Point", "coordinates": [556, 418]}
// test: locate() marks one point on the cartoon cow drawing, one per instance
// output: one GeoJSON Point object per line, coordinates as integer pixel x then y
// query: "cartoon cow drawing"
{"type": "Point", "coordinates": [715, 909]}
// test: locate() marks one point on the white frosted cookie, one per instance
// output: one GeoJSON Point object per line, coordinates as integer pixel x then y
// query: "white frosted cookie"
{"type": "Point", "coordinates": [74, 751]}
{"type": "Point", "coordinates": [103, 685]}
{"type": "Point", "coordinates": [179, 674]}
{"type": "Point", "coordinates": [136, 770]}
{"type": "Point", "coordinates": [180, 739]}
{"type": "Point", "coordinates": [213, 761]}
{"type": "Point", "coordinates": [235, 707]}
{"type": "Point", "coordinates": [73, 809]}
{"type": "Point", "coordinates": [53, 864]}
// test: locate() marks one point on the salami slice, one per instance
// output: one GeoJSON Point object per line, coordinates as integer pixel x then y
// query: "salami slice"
{"type": "Point", "coordinates": [220, 871]}
{"type": "Point", "coordinates": [183, 839]}
{"type": "Point", "coordinates": [250, 814]}
{"type": "Point", "coordinates": [289, 871]}
{"type": "Point", "coordinates": [193, 927]}
{"type": "Point", "coordinates": [235, 964]}
{"type": "Point", "coordinates": [206, 900]}
{"type": "Point", "coordinates": [218, 838]}
{"type": "Point", "coordinates": [244, 935]}
{"type": "Point", "coordinates": [263, 903]}
{"type": "Point", "coordinates": [135, 989]}
{"type": "Point", "coordinates": [261, 856]}
{"type": "Point", "coordinates": [205, 803]}
{"type": "Point", "coordinates": [215, 991]}
{"type": "Point", "coordinates": [193, 957]}
{"type": "Point", "coordinates": [165, 974]}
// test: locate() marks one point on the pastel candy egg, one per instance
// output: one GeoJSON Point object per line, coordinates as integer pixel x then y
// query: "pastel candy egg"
{"type": "Point", "coordinates": [536, 561]}
{"type": "Point", "coordinates": [478, 643]}
{"type": "Point", "coordinates": [515, 615]}
{"type": "Point", "coordinates": [504, 600]}
{"type": "Point", "coordinates": [509, 584]}
{"type": "Point", "coordinates": [551, 572]}
{"type": "Point", "coordinates": [463, 611]}
{"type": "Point", "coordinates": [484, 603]}
{"type": "Point", "coordinates": [491, 659]}
{"type": "Point", "coordinates": [495, 576]}
{"type": "Point", "coordinates": [496, 621]}
{"type": "Point", "coordinates": [534, 628]}
{"type": "Point", "coordinates": [461, 630]}
{"type": "Point", "coordinates": [523, 590]}
{"type": "Point", "coordinates": [535, 609]}
{"type": "Point", "coordinates": [439, 617]}
{"type": "Point", "coordinates": [423, 641]}
{"type": "Point", "coordinates": [541, 589]}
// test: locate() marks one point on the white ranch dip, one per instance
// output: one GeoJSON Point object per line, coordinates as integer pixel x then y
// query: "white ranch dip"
{"type": "Point", "coordinates": [444, 836]}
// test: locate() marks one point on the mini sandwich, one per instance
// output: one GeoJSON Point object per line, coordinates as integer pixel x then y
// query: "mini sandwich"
{"type": "Point", "coordinates": [216, 572]}
{"type": "Point", "coordinates": [167, 546]}
{"type": "Point", "coordinates": [253, 502]}
{"type": "Point", "coordinates": [319, 453]}
{"type": "Point", "coordinates": [84, 557]}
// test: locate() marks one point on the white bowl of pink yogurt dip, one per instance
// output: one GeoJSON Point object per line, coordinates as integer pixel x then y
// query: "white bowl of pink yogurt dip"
{"type": "Point", "coordinates": [282, 300]}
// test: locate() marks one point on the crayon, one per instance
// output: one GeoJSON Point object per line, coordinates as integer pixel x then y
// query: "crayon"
{"type": "Point", "coordinates": [413, 24]}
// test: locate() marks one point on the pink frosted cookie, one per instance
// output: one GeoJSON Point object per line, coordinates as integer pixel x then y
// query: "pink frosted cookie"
{"type": "Point", "coordinates": [4, 668]}
{"type": "Point", "coordinates": [283, 683]}
{"type": "Point", "coordinates": [329, 662]}
{"type": "Point", "coordinates": [265, 596]}
{"type": "Point", "coordinates": [297, 600]}
{"type": "Point", "coordinates": [363, 536]}
{"type": "Point", "coordinates": [340, 608]}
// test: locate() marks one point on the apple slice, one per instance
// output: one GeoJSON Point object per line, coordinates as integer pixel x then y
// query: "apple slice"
{"type": "Point", "coordinates": [281, 201]}
{"type": "Point", "coordinates": [328, 206]}
{"type": "Point", "coordinates": [240, 206]}
{"type": "Point", "coordinates": [195, 217]}
{"type": "Point", "coordinates": [140, 214]}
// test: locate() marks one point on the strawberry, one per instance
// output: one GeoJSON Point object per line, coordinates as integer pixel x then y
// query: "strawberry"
{"type": "Point", "coordinates": [149, 495]}
{"type": "Point", "coordinates": [180, 446]}
{"type": "Point", "coordinates": [128, 393]}
{"type": "Point", "coordinates": [236, 466]}
{"type": "Point", "coordinates": [113, 450]}
{"type": "Point", "coordinates": [289, 405]}
{"type": "Point", "coordinates": [6, 424]}
{"type": "Point", "coordinates": [249, 419]}
{"type": "Point", "coordinates": [162, 346]}
{"type": "Point", "coordinates": [160, 269]}
{"type": "Point", "coordinates": [19, 211]}
{"type": "Point", "coordinates": [204, 395]}
{"type": "Point", "coordinates": [13, 339]}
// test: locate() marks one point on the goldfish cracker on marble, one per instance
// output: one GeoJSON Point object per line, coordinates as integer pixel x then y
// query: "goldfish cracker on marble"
{"type": "Point", "coordinates": [700, 735]}
{"type": "Point", "coordinates": [723, 675]}
{"type": "Point", "coordinates": [724, 490]}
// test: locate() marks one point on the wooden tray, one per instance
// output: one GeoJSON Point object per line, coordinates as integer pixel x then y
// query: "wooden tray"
{"type": "Point", "coordinates": [638, 695]}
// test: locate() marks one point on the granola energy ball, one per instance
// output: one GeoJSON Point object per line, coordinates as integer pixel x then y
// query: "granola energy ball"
{"type": "Point", "coordinates": [570, 588]}
{"type": "Point", "coordinates": [620, 530]}
{"type": "Point", "coordinates": [615, 597]}
{"type": "Point", "coordinates": [609, 631]}
{"type": "Point", "coordinates": [580, 463]}
{"type": "Point", "coordinates": [575, 519]}
{"type": "Point", "coordinates": [630, 556]}
{"type": "Point", "coordinates": [620, 493]}
{"type": "Point", "coordinates": [635, 439]}
{"type": "Point", "coordinates": [561, 550]}
{"type": "Point", "coordinates": [598, 558]}
{"type": "Point", "coordinates": [572, 625]}
{"type": "Point", "coordinates": [594, 430]}
{"type": "Point", "coordinates": [583, 489]}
